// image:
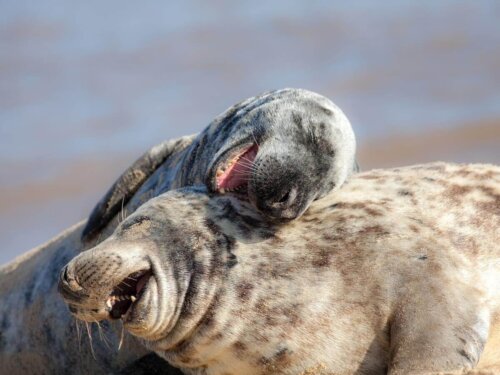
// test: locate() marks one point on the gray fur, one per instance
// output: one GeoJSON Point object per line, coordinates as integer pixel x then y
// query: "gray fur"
{"type": "Point", "coordinates": [398, 271]}
{"type": "Point", "coordinates": [306, 149]}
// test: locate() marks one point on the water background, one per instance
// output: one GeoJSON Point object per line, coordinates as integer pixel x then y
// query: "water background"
{"type": "Point", "coordinates": [86, 87]}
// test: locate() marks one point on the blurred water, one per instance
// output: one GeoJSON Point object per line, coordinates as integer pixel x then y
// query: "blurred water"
{"type": "Point", "coordinates": [85, 87]}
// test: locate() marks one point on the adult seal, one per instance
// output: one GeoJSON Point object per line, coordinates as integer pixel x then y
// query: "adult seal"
{"type": "Point", "coordinates": [281, 150]}
{"type": "Point", "coordinates": [396, 272]}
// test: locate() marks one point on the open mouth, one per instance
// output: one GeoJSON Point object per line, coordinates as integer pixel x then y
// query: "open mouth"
{"type": "Point", "coordinates": [234, 173]}
{"type": "Point", "coordinates": [127, 293]}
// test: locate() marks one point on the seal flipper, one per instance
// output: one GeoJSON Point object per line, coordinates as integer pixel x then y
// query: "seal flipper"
{"type": "Point", "coordinates": [128, 183]}
{"type": "Point", "coordinates": [436, 329]}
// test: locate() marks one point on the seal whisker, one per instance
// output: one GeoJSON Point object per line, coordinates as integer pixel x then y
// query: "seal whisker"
{"type": "Point", "coordinates": [78, 334]}
{"type": "Point", "coordinates": [123, 282]}
{"type": "Point", "coordinates": [102, 335]}
{"type": "Point", "coordinates": [89, 334]}
{"type": "Point", "coordinates": [254, 138]}
{"type": "Point", "coordinates": [122, 210]}
{"type": "Point", "coordinates": [121, 338]}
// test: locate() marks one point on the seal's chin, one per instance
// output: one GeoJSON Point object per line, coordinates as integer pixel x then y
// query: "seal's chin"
{"type": "Point", "coordinates": [233, 173]}
{"type": "Point", "coordinates": [127, 295]}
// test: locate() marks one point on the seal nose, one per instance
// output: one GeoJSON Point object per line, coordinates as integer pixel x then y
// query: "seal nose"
{"type": "Point", "coordinates": [281, 206]}
{"type": "Point", "coordinates": [285, 200]}
{"type": "Point", "coordinates": [68, 284]}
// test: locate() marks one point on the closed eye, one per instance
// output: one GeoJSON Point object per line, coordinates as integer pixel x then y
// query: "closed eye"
{"type": "Point", "coordinates": [135, 221]}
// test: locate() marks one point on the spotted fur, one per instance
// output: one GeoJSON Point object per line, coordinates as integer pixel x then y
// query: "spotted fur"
{"type": "Point", "coordinates": [306, 149]}
{"type": "Point", "coordinates": [396, 272]}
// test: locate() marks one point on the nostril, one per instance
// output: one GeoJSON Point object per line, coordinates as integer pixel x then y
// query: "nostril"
{"type": "Point", "coordinates": [285, 197]}
{"type": "Point", "coordinates": [286, 200]}
{"type": "Point", "coordinates": [70, 281]}
{"type": "Point", "coordinates": [65, 274]}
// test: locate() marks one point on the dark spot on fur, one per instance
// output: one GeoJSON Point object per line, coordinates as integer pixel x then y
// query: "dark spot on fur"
{"type": "Point", "coordinates": [405, 193]}
{"type": "Point", "coordinates": [231, 260]}
{"type": "Point", "coordinates": [244, 290]}
{"type": "Point", "coordinates": [350, 205]}
{"type": "Point", "coordinates": [373, 211]}
{"type": "Point", "coordinates": [414, 228]}
{"type": "Point", "coordinates": [278, 361]}
{"type": "Point", "coordinates": [375, 229]}
{"type": "Point", "coordinates": [218, 336]}
{"type": "Point", "coordinates": [209, 316]}
{"type": "Point", "coordinates": [239, 346]}
{"type": "Point", "coordinates": [214, 228]}
{"type": "Point", "coordinates": [429, 179]}
{"type": "Point", "coordinates": [293, 315]}
{"type": "Point", "coordinates": [457, 191]}
{"type": "Point", "coordinates": [321, 258]}
{"type": "Point", "coordinates": [297, 120]}
{"type": "Point", "coordinates": [422, 257]}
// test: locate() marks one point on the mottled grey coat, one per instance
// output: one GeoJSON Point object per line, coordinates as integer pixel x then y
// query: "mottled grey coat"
{"type": "Point", "coordinates": [398, 271]}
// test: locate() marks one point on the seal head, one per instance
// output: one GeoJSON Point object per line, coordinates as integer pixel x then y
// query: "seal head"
{"type": "Point", "coordinates": [284, 149]}
{"type": "Point", "coordinates": [281, 150]}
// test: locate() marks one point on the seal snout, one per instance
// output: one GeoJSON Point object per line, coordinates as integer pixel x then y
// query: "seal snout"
{"type": "Point", "coordinates": [105, 282]}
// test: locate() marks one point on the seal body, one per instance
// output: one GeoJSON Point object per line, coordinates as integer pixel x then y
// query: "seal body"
{"type": "Point", "coordinates": [397, 272]}
{"type": "Point", "coordinates": [281, 150]}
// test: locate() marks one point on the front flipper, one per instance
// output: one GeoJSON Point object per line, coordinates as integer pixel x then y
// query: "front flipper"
{"type": "Point", "coordinates": [440, 326]}
{"type": "Point", "coordinates": [128, 183]}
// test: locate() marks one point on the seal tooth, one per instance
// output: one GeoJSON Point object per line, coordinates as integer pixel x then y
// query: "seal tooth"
{"type": "Point", "coordinates": [133, 299]}
{"type": "Point", "coordinates": [222, 191]}
{"type": "Point", "coordinates": [108, 303]}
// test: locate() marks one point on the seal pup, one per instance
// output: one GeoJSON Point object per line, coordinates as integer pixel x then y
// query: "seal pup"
{"type": "Point", "coordinates": [400, 275]}
{"type": "Point", "coordinates": [281, 149]}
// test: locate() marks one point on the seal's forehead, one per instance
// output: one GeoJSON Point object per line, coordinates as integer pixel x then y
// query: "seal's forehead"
{"type": "Point", "coordinates": [287, 99]}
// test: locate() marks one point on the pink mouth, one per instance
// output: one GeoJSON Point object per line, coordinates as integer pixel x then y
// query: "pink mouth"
{"type": "Point", "coordinates": [235, 173]}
